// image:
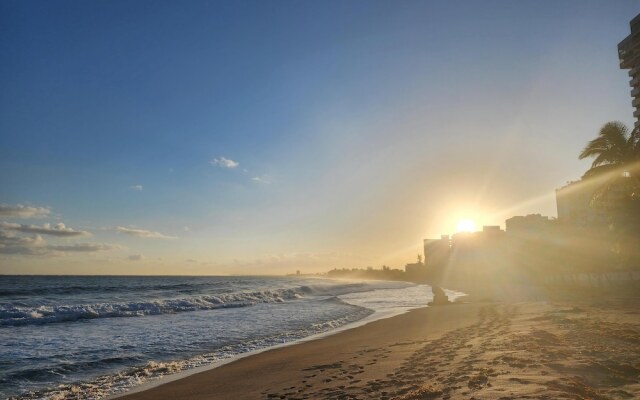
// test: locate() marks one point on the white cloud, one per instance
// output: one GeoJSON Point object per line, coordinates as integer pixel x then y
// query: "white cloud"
{"type": "Point", "coordinates": [223, 162]}
{"type": "Point", "coordinates": [84, 247]}
{"type": "Point", "coordinates": [142, 233]}
{"type": "Point", "coordinates": [135, 257]}
{"type": "Point", "coordinates": [12, 244]}
{"type": "Point", "coordinates": [35, 245]}
{"type": "Point", "coordinates": [262, 180]}
{"type": "Point", "coordinates": [46, 229]}
{"type": "Point", "coordinates": [21, 211]}
{"type": "Point", "coordinates": [21, 239]}
{"type": "Point", "coordinates": [137, 188]}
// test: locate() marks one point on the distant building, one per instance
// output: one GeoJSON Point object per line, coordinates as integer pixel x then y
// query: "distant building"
{"type": "Point", "coordinates": [492, 229]}
{"type": "Point", "coordinates": [574, 204]}
{"type": "Point", "coordinates": [436, 251]}
{"type": "Point", "coordinates": [629, 55]}
{"type": "Point", "coordinates": [468, 244]}
{"type": "Point", "coordinates": [532, 224]}
{"type": "Point", "coordinates": [476, 256]}
{"type": "Point", "coordinates": [414, 269]}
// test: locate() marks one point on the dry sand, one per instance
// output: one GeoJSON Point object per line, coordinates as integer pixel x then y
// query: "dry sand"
{"type": "Point", "coordinates": [483, 350]}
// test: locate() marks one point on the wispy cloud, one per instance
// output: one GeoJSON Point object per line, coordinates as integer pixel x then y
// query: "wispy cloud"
{"type": "Point", "coordinates": [35, 245]}
{"type": "Point", "coordinates": [46, 229]}
{"type": "Point", "coordinates": [22, 211]}
{"type": "Point", "coordinates": [13, 244]}
{"type": "Point", "coordinates": [22, 239]}
{"type": "Point", "coordinates": [228, 163]}
{"type": "Point", "coordinates": [85, 247]}
{"type": "Point", "coordinates": [264, 180]}
{"type": "Point", "coordinates": [223, 162]}
{"type": "Point", "coordinates": [137, 188]}
{"type": "Point", "coordinates": [142, 233]}
{"type": "Point", "coordinates": [135, 257]}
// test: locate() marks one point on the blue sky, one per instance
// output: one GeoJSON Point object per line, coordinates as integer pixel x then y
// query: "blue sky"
{"type": "Point", "coordinates": [358, 128]}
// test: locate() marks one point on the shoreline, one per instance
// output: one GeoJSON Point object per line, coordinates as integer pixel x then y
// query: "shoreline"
{"type": "Point", "coordinates": [568, 349]}
{"type": "Point", "coordinates": [376, 315]}
{"type": "Point", "coordinates": [305, 348]}
{"type": "Point", "coordinates": [322, 313]}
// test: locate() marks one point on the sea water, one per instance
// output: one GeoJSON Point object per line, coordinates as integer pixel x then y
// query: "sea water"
{"type": "Point", "coordinates": [90, 337]}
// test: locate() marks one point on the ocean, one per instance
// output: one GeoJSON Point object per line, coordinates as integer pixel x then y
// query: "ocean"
{"type": "Point", "coordinates": [66, 337]}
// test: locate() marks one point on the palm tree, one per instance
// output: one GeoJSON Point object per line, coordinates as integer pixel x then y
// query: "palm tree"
{"type": "Point", "coordinates": [616, 150]}
{"type": "Point", "coordinates": [617, 167]}
{"type": "Point", "coordinates": [617, 161]}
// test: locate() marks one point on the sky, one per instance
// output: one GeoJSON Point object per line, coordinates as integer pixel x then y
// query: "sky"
{"type": "Point", "coordinates": [254, 137]}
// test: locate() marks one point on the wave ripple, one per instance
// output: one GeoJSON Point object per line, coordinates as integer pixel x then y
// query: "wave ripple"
{"type": "Point", "coordinates": [11, 315]}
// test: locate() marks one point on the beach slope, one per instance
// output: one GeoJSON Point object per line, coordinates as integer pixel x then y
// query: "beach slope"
{"type": "Point", "coordinates": [473, 350]}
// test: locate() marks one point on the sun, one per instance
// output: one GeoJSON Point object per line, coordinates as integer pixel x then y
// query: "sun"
{"type": "Point", "coordinates": [466, 225]}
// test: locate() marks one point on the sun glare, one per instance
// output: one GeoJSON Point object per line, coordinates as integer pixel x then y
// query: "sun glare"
{"type": "Point", "coordinates": [466, 225]}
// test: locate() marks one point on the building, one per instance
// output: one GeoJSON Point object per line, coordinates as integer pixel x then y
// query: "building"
{"type": "Point", "coordinates": [416, 271]}
{"type": "Point", "coordinates": [469, 244]}
{"type": "Point", "coordinates": [436, 251]}
{"type": "Point", "coordinates": [629, 55]}
{"type": "Point", "coordinates": [491, 230]}
{"type": "Point", "coordinates": [573, 202]}
{"type": "Point", "coordinates": [528, 225]}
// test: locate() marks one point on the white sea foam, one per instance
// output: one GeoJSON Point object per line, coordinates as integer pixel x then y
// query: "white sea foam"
{"type": "Point", "coordinates": [112, 384]}
{"type": "Point", "coordinates": [11, 315]}
{"type": "Point", "coordinates": [71, 344]}
{"type": "Point", "coordinates": [14, 316]}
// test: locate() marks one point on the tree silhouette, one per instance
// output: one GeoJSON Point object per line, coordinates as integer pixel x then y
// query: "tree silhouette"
{"type": "Point", "coordinates": [615, 149]}
{"type": "Point", "coordinates": [617, 164]}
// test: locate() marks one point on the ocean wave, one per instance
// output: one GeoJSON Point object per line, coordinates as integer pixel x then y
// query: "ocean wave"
{"type": "Point", "coordinates": [123, 381]}
{"type": "Point", "coordinates": [20, 314]}
{"type": "Point", "coordinates": [63, 369]}
{"type": "Point", "coordinates": [78, 289]}
{"type": "Point", "coordinates": [337, 289]}
{"type": "Point", "coordinates": [11, 315]}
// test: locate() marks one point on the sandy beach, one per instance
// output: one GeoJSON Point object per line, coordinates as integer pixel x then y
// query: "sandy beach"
{"type": "Point", "coordinates": [473, 350]}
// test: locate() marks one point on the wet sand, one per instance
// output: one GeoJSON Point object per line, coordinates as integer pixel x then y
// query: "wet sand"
{"type": "Point", "coordinates": [478, 350]}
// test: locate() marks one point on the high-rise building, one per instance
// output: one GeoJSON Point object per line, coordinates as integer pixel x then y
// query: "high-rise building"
{"type": "Point", "coordinates": [436, 251]}
{"type": "Point", "coordinates": [629, 54]}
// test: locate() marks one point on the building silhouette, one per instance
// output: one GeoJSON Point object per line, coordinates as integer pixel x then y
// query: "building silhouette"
{"type": "Point", "coordinates": [629, 55]}
{"type": "Point", "coordinates": [573, 202]}
{"type": "Point", "coordinates": [532, 225]}
{"type": "Point", "coordinates": [575, 247]}
{"type": "Point", "coordinates": [436, 251]}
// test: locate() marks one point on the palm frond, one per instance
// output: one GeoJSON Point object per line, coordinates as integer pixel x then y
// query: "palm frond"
{"type": "Point", "coordinates": [594, 147]}
{"type": "Point", "coordinates": [612, 145]}
{"type": "Point", "coordinates": [605, 157]}
{"type": "Point", "coordinates": [616, 133]}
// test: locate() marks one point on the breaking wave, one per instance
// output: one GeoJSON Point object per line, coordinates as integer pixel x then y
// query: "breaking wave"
{"type": "Point", "coordinates": [19, 315]}
{"type": "Point", "coordinates": [11, 315]}
{"type": "Point", "coordinates": [121, 382]}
